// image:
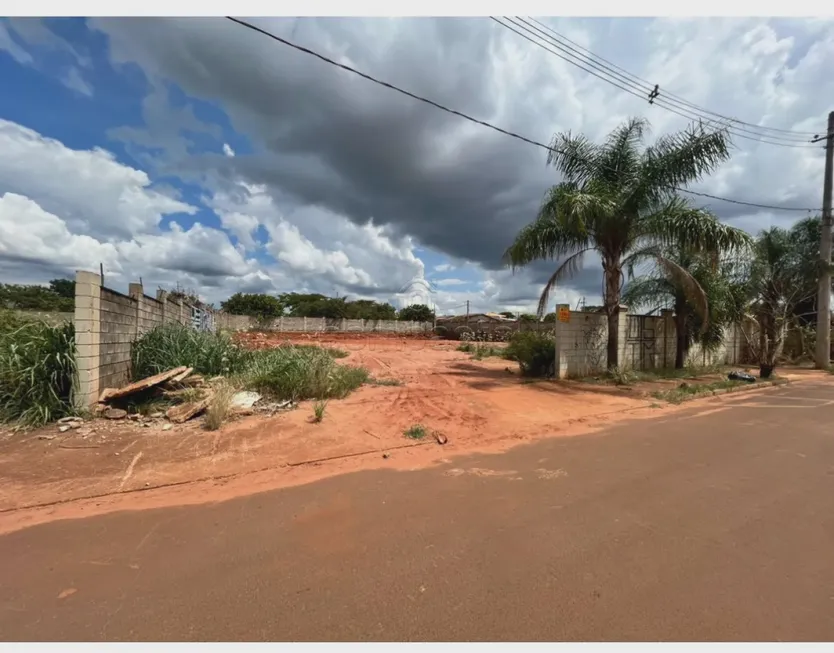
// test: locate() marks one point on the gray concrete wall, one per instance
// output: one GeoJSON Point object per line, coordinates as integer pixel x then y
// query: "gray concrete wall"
{"type": "Point", "coordinates": [226, 322]}
{"type": "Point", "coordinates": [118, 322]}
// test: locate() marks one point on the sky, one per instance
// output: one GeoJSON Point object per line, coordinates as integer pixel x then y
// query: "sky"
{"type": "Point", "coordinates": [194, 152]}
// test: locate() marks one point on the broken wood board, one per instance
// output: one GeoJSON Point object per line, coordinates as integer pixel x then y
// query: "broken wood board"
{"type": "Point", "coordinates": [184, 412]}
{"type": "Point", "coordinates": [115, 393]}
{"type": "Point", "coordinates": [179, 377]}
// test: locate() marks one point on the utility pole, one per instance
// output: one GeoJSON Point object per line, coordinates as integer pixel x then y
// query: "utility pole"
{"type": "Point", "coordinates": [824, 298]}
{"type": "Point", "coordinates": [467, 311]}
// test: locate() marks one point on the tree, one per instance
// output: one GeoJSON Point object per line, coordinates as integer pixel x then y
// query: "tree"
{"type": "Point", "coordinates": [772, 284]}
{"type": "Point", "coordinates": [366, 309]}
{"type": "Point", "coordinates": [260, 306]}
{"type": "Point", "coordinates": [508, 314]}
{"type": "Point", "coordinates": [34, 298]}
{"type": "Point", "coordinates": [63, 288]}
{"type": "Point", "coordinates": [803, 254]}
{"type": "Point", "coordinates": [416, 313]}
{"type": "Point", "coordinates": [621, 202]}
{"type": "Point", "coordinates": [700, 309]}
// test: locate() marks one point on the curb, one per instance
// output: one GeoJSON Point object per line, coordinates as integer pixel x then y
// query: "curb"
{"type": "Point", "coordinates": [749, 388]}
{"type": "Point", "coordinates": [758, 385]}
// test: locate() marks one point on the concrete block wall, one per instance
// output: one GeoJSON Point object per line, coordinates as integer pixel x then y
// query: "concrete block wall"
{"type": "Point", "coordinates": [87, 338]}
{"type": "Point", "coordinates": [581, 344]}
{"type": "Point", "coordinates": [117, 317]}
{"type": "Point", "coordinates": [106, 323]}
{"type": "Point", "coordinates": [226, 322]}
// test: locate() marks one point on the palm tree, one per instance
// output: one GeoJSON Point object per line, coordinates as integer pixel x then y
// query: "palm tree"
{"type": "Point", "coordinates": [775, 283]}
{"type": "Point", "coordinates": [621, 202]}
{"type": "Point", "coordinates": [699, 316]}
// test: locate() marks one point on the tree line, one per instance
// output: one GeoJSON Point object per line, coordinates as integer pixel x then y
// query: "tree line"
{"type": "Point", "coordinates": [621, 201]}
{"type": "Point", "coordinates": [58, 296]}
{"type": "Point", "coordinates": [293, 304]}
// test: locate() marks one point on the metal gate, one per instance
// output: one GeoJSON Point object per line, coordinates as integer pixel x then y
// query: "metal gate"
{"type": "Point", "coordinates": [201, 319]}
{"type": "Point", "coordinates": [641, 341]}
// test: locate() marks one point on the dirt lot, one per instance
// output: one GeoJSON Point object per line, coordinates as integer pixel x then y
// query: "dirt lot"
{"type": "Point", "coordinates": [478, 405]}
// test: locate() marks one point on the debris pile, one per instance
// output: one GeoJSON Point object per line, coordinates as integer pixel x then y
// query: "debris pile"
{"type": "Point", "coordinates": [192, 393]}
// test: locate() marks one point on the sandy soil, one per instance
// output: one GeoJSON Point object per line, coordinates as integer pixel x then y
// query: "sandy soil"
{"type": "Point", "coordinates": [478, 405]}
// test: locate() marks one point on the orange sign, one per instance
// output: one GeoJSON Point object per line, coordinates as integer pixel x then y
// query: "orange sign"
{"type": "Point", "coordinates": [564, 314]}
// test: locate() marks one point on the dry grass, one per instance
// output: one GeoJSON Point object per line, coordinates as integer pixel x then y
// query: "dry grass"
{"type": "Point", "coordinates": [220, 405]}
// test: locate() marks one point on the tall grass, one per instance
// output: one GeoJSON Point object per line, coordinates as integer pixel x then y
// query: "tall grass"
{"type": "Point", "coordinates": [37, 366]}
{"type": "Point", "coordinates": [174, 345]}
{"type": "Point", "coordinates": [287, 372]}
{"type": "Point", "coordinates": [300, 373]}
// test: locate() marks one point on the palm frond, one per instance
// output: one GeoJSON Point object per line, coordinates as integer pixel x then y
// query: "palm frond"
{"type": "Point", "coordinates": [568, 268]}
{"type": "Point", "coordinates": [677, 223]}
{"type": "Point", "coordinates": [574, 156]}
{"type": "Point", "coordinates": [680, 277]}
{"type": "Point", "coordinates": [684, 157]}
{"type": "Point", "coordinates": [648, 290]}
{"type": "Point", "coordinates": [545, 238]}
{"type": "Point", "coordinates": [619, 160]}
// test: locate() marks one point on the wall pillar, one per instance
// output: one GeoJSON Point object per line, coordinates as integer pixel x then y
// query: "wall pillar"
{"type": "Point", "coordinates": [669, 335]}
{"type": "Point", "coordinates": [622, 341]}
{"type": "Point", "coordinates": [561, 342]}
{"type": "Point", "coordinates": [87, 321]}
{"type": "Point", "coordinates": [162, 297]}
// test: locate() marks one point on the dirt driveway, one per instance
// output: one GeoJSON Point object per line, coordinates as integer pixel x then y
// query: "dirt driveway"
{"type": "Point", "coordinates": [478, 405]}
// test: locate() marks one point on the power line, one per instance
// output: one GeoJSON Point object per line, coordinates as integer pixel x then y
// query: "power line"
{"type": "Point", "coordinates": [652, 97]}
{"type": "Point", "coordinates": [655, 96]}
{"type": "Point", "coordinates": [680, 100]}
{"type": "Point", "coordinates": [760, 206]}
{"type": "Point", "coordinates": [483, 123]}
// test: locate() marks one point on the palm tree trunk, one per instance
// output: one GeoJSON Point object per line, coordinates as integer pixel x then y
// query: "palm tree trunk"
{"type": "Point", "coordinates": [612, 275]}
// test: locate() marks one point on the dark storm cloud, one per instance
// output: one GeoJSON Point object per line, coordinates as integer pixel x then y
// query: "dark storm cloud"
{"type": "Point", "coordinates": [325, 137]}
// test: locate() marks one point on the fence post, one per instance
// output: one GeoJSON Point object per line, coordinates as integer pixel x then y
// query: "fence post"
{"type": "Point", "coordinates": [87, 321]}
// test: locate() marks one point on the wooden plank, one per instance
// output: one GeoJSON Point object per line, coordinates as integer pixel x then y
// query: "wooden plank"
{"type": "Point", "coordinates": [180, 377]}
{"type": "Point", "coordinates": [184, 412]}
{"type": "Point", "coordinates": [115, 393]}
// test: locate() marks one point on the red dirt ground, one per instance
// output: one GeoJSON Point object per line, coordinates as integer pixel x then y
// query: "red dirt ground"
{"type": "Point", "coordinates": [477, 405]}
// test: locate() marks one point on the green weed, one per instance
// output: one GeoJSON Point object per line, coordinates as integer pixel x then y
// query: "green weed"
{"type": "Point", "coordinates": [416, 432]}
{"type": "Point", "coordinates": [688, 391]}
{"type": "Point", "coordinates": [37, 366]}
{"type": "Point", "coordinates": [318, 410]}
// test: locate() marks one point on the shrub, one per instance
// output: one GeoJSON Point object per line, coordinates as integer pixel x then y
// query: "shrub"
{"type": "Point", "coordinates": [173, 345]}
{"type": "Point", "coordinates": [415, 432]}
{"type": "Point", "coordinates": [534, 352]}
{"type": "Point", "coordinates": [296, 373]}
{"type": "Point", "coordinates": [37, 366]}
{"type": "Point", "coordinates": [288, 372]}
{"type": "Point", "coordinates": [416, 313]}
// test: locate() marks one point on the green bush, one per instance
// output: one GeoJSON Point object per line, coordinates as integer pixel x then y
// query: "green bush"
{"type": "Point", "coordinates": [174, 345]}
{"type": "Point", "coordinates": [290, 372]}
{"type": "Point", "coordinates": [300, 373]}
{"type": "Point", "coordinates": [37, 366]}
{"type": "Point", "coordinates": [534, 352]}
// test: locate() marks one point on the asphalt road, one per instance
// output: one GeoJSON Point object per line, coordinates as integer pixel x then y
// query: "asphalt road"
{"type": "Point", "coordinates": [709, 525]}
